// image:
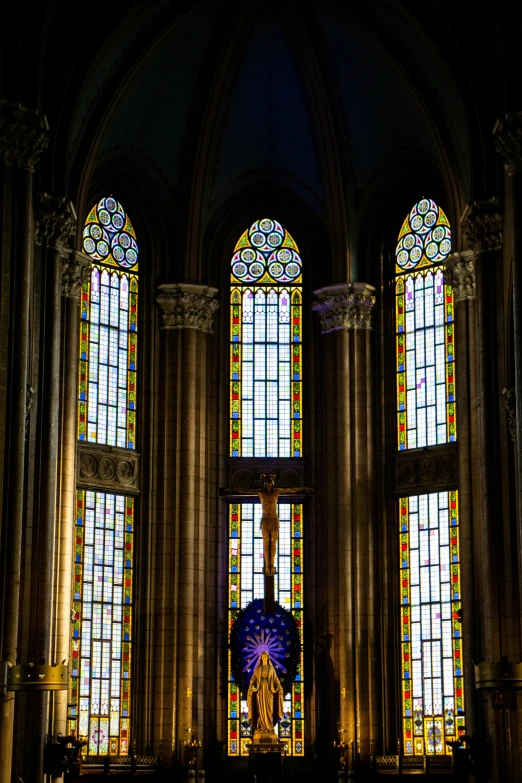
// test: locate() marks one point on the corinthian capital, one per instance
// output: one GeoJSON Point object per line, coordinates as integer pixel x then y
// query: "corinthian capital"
{"type": "Point", "coordinates": [345, 306]}
{"type": "Point", "coordinates": [482, 225]}
{"type": "Point", "coordinates": [508, 140]}
{"type": "Point", "coordinates": [23, 135]}
{"type": "Point", "coordinates": [460, 274]}
{"type": "Point", "coordinates": [76, 269]}
{"type": "Point", "coordinates": [56, 221]}
{"type": "Point", "coordinates": [187, 306]}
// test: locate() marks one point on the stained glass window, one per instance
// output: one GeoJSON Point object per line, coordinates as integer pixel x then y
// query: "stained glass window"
{"type": "Point", "coordinates": [425, 330]}
{"type": "Point", "coordinates": [246, 583]}
{"type": "Point", "coordinates": [266, 344]}
{"type": "Point", "coordinates": [432, 678]}
{"type": "Point", "coordinates": [432, 656]}
{"type": "Point", "coordinates": [108, 329]}
{"type": "Point", "coordinates": [101, 646]}
{"type": "Point", "coordinates": [102, 623]}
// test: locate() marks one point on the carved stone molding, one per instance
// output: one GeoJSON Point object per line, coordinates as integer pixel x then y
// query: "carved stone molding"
{"type": "Point", "coordinates": [460, 274]}
{"type": "Point", "coordinates": [107, 468]}
{"type": "Point", "coordinates": [245, 472]}
{"type": "Point", "coordinates": [345, 306]}
{"type": "Point", "coordinates": [482, 223]}
{"type": "Point", "coordinates": [23, 135]}
{"type": "Point", "coordinates": [76, 270]}
{"type": "Point", "coordinates": [56, 221]}
{"type": "Point", "coordinates": [187, 306]}
{"type": "Point", "coordinates": [511, 411]}
{"type": "Point", "coordinates": [426, 470]}
{"type": "Point", "coordinates": [508, 141]}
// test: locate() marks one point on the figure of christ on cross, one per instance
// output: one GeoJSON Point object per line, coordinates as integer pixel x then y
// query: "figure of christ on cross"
{"type": "Point", "coordinates": [270, 521]}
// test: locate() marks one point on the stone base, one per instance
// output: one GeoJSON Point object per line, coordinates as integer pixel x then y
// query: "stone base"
{"type": "Point", "coordinates": [266, 742]}
{"type": "Point", "coordinates": [263, 737]}
{"type": "Point", "coordinates": [266, 758]}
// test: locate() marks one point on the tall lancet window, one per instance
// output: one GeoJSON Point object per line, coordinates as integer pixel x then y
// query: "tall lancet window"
{"type": "Point", "coordinates": [266, 421]}
{"type": "Point", "coordinates": [432, 677]}
{"type": "Point", "coordinates": [104, 525]}
{"type": "Point", "coordinates": [266, 361]}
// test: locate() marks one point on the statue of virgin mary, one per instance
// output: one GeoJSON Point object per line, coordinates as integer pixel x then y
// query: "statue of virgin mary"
{"type": "Point", "coordinates": [265, 700]}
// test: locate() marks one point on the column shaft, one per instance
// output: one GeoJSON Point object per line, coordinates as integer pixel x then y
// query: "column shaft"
{"type": "Point", "coordinates": [345, 312]}
{"type": "Point", "coordinates": [21, 266]}
{"type": "Point", "coordinates": [182, 622]}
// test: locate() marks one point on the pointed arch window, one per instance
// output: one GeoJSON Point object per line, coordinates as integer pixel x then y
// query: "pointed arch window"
{"type": "Point", "coordinates": [266, 344]}
{"type": "Point", "coordinates": [424, 310]}
{"type": "Point", "coordinates": [266, 421]}
{"type": "Point", "coordinates": [104, 526]}
{"type": "Point", "coordinates": [109, 325]}
{"type": "Point", "coordinates": [431, 634]}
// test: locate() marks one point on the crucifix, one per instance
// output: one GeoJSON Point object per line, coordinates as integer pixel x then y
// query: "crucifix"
{"type": "Point", "coordinates": [269, 525]}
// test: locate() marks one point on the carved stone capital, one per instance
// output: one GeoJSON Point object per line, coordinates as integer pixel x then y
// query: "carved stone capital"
{"type": "Point", "coordinates": [76, 269]}
{"type": "Point", "coordinates": [345, 306]}
{"type": "Point", "coordinates": [55, 221]}
{"type": "Point", "coordinates": [23, 135]}
{"type": "Point", "coordinates": [187, 306]}
{"type": "Point", "coordinates": [460, 274]}
{"type": "Point", "coordinates": [482, 223]}
{"type": "Point", "coordinates": [508, 141]}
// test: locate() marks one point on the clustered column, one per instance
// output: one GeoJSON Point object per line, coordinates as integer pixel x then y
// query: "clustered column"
{"type": "Point", "coordinates": [75, 269]}
{"type": "Point", "coordinates": [23, 137]}
{"type": "Point", "coordinates": [56, 223]}
{"type": "Point", "coordinates": [349, 511]}
{"type": "Point", "coordinates": [181, 696]}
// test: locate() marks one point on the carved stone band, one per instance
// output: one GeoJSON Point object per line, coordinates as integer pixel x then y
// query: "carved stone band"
{"type": "Point", "coordinates": [482, 223]}
{"type": "Point", "coordinates": [56, 221]}
{"type": "Point", "coordinates": [345, 306]}
{"type": "Point", "coordinates": [23, 135]}
{"type": "Point", "coordinates": [460, 274]}
{"type": "Point", "coordinates": [508, 141]}
{"type": "Point", "coordinates": [107, 469]}
{"type": "Point", "coordinates": [76, 270]}
{"type": "Point", "coordinates": [187, 306]}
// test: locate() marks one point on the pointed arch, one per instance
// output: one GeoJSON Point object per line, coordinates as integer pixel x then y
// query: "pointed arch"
{"type": "Point", "coordinates": [431, 631]}
{"type": "Point", "coordinates": [104, 526]}
{"type": "Point", "coordinates": [266, 344]}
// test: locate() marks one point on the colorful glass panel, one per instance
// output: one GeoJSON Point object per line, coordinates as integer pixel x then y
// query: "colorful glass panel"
{"type": "Point", "coordinates": [108, 330]}
{"type": "Point", "coordinates": [432, 676]}
{"type": "Point", "coordinates": [266, 344]}
{"type": "Point", "coordinates": [425, 359]}
{"type": "Point", "coordinates": [425, 237]}
{"type": "Point", "coordinates": [102, 622]}
{"type": "Point", "coordinates": [246, 582]}
{"type": "Point", "coordinates": [109, 237]}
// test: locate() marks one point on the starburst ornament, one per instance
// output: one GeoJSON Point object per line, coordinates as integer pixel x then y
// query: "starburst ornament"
{"type": "Point", "coordinates": [254, 632]}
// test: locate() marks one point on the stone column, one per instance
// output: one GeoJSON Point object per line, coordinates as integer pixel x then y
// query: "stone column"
{"type": "Point", "coordinates": [349, 509]}
{"type": "Point", "coordinates": [473, 275]}
{"type": "Point", "coordinates": [182, 694]}
{"type": "Point", "coordinates": [508, 143]}
{"type": "Point", "coordinates": [75, 270]}
{"type": "Point", "coordinates": [23, 137]}
{"type": "Point", "coordinates": [56, 223]}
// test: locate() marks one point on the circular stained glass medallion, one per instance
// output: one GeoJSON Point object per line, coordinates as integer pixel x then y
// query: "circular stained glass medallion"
{"type": "Point", "coordinates": [266, 249]}
{"type": "Point", "coordinates": [109, 236]}
{"type": "Point", "coordinates": [425, 236]}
